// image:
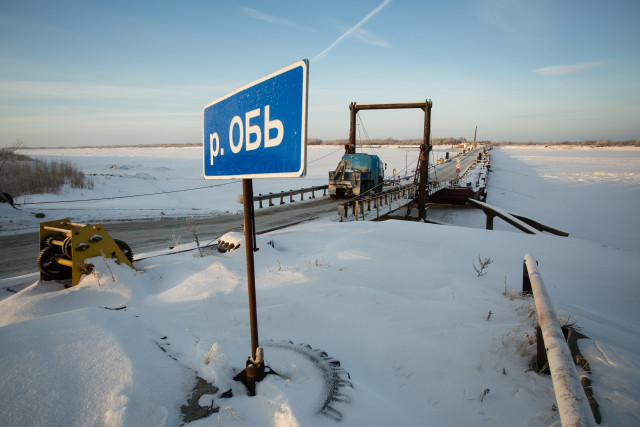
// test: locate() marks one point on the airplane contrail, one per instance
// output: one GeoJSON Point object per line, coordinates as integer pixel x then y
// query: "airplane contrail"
{"type": "Point", "coordinates": [352, 29]}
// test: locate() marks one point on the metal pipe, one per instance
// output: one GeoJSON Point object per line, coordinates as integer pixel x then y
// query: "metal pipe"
{"type": "Point", "coordinates": [59, 230]}
{"type": "Point", "coordinates": [573, 405]}
{"type": "Point", "coordinates": [64, 261]}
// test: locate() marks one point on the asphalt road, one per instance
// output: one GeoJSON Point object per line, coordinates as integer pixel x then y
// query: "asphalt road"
{"type": "Point", "coordinates": [447, 171]}
{"type": "Point", "coordinates": [19, 252]}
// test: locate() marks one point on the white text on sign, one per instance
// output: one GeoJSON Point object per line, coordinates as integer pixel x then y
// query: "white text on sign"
{"type": "Point", "coordinates": [253, 132]}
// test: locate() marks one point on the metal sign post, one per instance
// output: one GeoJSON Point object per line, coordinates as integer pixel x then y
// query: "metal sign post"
{"type": "Point", "coordinates": [249, 234]}
{"type": "Point", "coordinates": [257, 131]}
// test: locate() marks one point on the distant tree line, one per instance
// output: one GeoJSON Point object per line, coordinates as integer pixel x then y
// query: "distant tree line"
{"type": "Point", "coordinates": [392, 141]}
{"type": "Point", "coordinates": [406, 142]}
{"type": "Point", "coordinates": [457, 141]}
{"type": "Point", "coordinates": [585, 143]}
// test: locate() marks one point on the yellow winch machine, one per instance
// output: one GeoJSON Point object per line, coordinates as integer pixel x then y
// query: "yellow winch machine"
{"type": "Point", "coordinates": [64, 247]}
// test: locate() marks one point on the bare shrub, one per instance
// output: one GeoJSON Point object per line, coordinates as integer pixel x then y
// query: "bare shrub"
{"type": "Point", "coordinates": [482, 265]}
{"type": "Point", "coordinates": [21, 175]}
{"type": "Point", "coordinates": [191, 225]}
{"type": "Point", "coordinates": [8, 154]}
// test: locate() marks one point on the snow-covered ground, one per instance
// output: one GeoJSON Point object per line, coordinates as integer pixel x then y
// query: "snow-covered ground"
{"type": "Point", "coordinates": [424, 340]}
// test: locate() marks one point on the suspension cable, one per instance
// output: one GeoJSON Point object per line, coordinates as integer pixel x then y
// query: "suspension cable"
{"type": "Point", "coordinates": [130, 196]}
{"type": "Point", "coordinates": [366, 134]}
{"type": "Point", "coordinates": [327, 155]}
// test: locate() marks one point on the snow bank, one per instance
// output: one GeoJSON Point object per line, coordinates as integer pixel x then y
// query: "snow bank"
{"type": "Point", "coordinates": [399, 304]}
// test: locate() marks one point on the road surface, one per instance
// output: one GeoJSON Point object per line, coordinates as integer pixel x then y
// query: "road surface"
{"type": "Point", "coordinates": [447, 171]}
{"type": "Point", "coordinates": [19, 252]}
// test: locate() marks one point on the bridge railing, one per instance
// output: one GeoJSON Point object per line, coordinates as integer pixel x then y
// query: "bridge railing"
{"type": "Point", "coordinates": [271, 196]}
{"type": "Point", "coordinates": [402, 194]}
{"type": "Point", "coordinates": [461, 177]}
{"type": "Point", "coordinates": [362, 204]}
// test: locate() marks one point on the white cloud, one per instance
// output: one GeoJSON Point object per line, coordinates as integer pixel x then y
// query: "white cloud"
{"type": "Point", "coordinates": [67, 90]}
{"type": "Point", "coordinates": [562, 70]}
{"type": "Point", "coordinates": [71, 91]}
{"type": "Point", "coordinates": [267, 18]}
{"type": "Point", "coordinates": [516, 19]}
{"type": "Point", "coordinates": [351, 30]}
{"type": "Point", "coordinates": [370, 38]}
{"type": "Point", "coordinates": [273, 19]}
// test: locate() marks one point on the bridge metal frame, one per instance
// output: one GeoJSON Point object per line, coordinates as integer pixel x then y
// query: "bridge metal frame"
{"type": "Point", "coordinates": [425, 148]}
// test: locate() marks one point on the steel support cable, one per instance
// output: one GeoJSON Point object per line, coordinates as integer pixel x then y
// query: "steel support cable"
{"type": "Point", "coordinates": [410, 164]}
{"type": "Point", "coordinates": [154, 194]}
{"type": "Point", "coordinates": [129, 196]}
{"type": "Point", "coordinates": [327, 155]}
{"type": "Point", "coordinates": [151, 194]}
{"type": "Point", "coordinates": [360, 197]}
{"type": "Point", "coordinates": [366, 134]}
{"type": "Point", "coordinates": [510, 191]}
{"type": "Point", "coordinates": [208, 245]}
{"type": "Point", "coordinates": [435, 172]}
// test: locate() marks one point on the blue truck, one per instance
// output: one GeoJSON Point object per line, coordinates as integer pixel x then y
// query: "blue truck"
{"type": "Point", "coordinates": [356, 174]}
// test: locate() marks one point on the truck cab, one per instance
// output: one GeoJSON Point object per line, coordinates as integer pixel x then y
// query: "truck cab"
{"type": "Point", "coordinates": [356, 174]}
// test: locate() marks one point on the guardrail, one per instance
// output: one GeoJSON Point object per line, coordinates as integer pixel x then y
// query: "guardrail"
{"type": "Point", "coordinates": [464, 173]}
{"type": "Point", "coordinates": [435, 186]}
{"type": "Point", "coordinates": [401, 193]}
{"type": "Point", "coordinates": [260, 197]}
{"type": "Point", "coordinates": [573, 405]}
{"type": "Point", "coordinates": [362, 204]}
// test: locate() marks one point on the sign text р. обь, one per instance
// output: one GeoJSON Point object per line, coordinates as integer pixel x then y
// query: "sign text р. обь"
{"type": "Point", "coordinates": [259, 130]}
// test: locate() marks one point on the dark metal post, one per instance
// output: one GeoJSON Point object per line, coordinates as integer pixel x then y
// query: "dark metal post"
{"type": "Point", "coordinates": [489, 220]}
{"type": "Point", "coordinates": [247, 195]}
{"type": "Point", "coordinates": [351, 148]}
{"type": "Point", "coordinates": [422, 183]}
{"type": "Point", "coordinates": [541, 353]}
{"type": "Point", "coordinates": [425, 149]}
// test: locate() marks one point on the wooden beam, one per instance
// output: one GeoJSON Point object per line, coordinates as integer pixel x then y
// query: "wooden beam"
{"type": "Point", "coordinates": [531, 222]}
{"type": "Point", "coordinates": [504, 215]}
{"type": "Point", "coordinates": [542, 227]}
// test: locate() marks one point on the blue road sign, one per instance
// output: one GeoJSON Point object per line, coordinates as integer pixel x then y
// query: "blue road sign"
{"type": "Point", "coordinates": [259, 130]}
{"type": "Point", "coordinates": [457, 170]}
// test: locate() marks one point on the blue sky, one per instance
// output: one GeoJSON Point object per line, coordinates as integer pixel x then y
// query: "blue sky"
{"type": "Point", "coordinates": [139, 72]}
